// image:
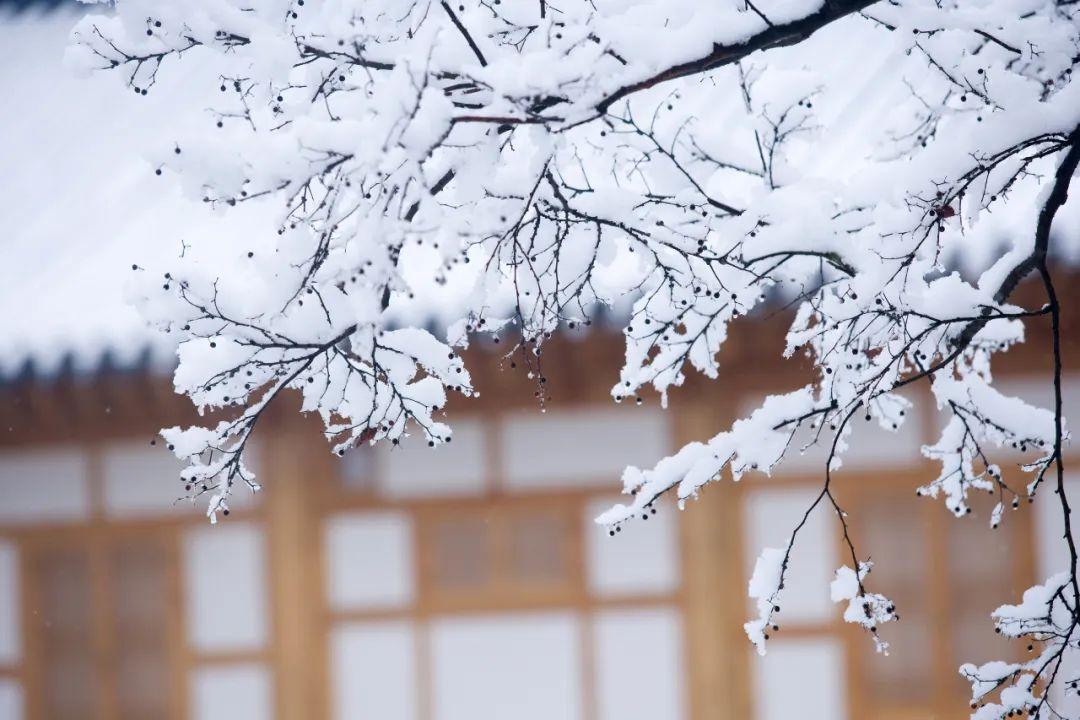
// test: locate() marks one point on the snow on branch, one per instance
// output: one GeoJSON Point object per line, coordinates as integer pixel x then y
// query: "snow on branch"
{"type": "Point", "coordinates": [885, 174]}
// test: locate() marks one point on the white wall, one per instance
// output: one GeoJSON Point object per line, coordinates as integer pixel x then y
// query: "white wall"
{"type": "Point", "coordinates": [374, 671]}
{"type": "Point", "coordinates": [412, 469]}
{"type": "Point", "coordinates": [500, 667]}
{"type": "Point", "coordinates": [140, 479]}
{"type": "Point", "coordinates": [369, 560]}
{"type": "Point", "coordinates": [642, 559]}
{"type": "Point", "coordinates": [639, 668]}
{"type": "Point", "coordinates": [231, 692]}
{"type": "Point", "coordinates": [568, 448]}
{"type": "Point", "coordinates": [10, 622]}
{"type": "Point", "coordinates": [43, 486]}
{"type": "Point", "coordinates": [225, 584]}
{"type": "Point", "coordinates": [801, 678]}
{"type": "Point", "coordinates": [11, 700]}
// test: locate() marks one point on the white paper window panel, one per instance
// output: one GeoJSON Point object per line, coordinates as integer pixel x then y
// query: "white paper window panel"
{"type": "Point", "coordinates": [43, 485]}
{"type": "Point", "coordinates": [412, 469]}
{"type": "Point", "coordinates": [357, 469]}
{"type": "Point", "coordinates": [525, 667]}
{"type": "Point", "coordinates": [585, 447]}
{"type": "Point", "coordinates": [10, 625]}
{"type": "Point", "coordinates": [232, 692]}
{"type": "Point", "coordinates": [142, 479]}
{"type": "Point", "coordinates": [1053, 553]}
{"type": "Point", "coordinates": [801, 678]}
{"type": "Point", "coordinates": [11, 700]}
{"type": "Point", "coordinates": [639, 664]}
{"type": "Point", "coordinates": [643, 558]}
{"type": "Point", "coordinates": [769, 517]}
{"type": "Point", "coordinates": [226, 587]}
{"type": "Point", "coordinates": [869, 446]}
{"type": "Point", "coordinates": [369, 560]}
{"type": "Point", "coordinates": [374, 671]}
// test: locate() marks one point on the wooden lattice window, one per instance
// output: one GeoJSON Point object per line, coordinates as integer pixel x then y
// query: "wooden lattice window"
{"type": "Point", "coordinates": [895, 533]}
{"type": "Point", "coordinates": [946, 575]}
{"type": "Point", "coordinates": [69, 670]}
{"type": "Point", "coordinates": [510, 554]}
{"type": "Point", "coordinates": [98, 630]}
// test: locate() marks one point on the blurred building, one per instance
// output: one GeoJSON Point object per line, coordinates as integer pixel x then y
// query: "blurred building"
{"type": "Point", "coordinates": [469, 582]}
{"type": "Point", "coordinates": [466, 582]}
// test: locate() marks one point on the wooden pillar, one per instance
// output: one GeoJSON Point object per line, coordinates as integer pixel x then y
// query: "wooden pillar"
{"type": "Point", "coordinates": [292, 536]}
{"type": "Point", "coordinates": [716, 605]}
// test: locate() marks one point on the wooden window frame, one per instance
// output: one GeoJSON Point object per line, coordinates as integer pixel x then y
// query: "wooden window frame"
{"type": "Point", "coordinates": [854, 492]}
{"type": "Point", "coordinates": [96, 535]}
{"type": "Point", "coordinates": [331, 497]}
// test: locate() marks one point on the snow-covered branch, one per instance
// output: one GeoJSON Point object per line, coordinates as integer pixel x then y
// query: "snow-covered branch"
{"type": "Point", "coordinates": [888, 173]}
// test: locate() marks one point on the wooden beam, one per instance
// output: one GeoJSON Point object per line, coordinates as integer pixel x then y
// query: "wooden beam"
{"type": "Point", "coordinates": [293, 541]}
{"type": "Point", "coordinates": [716, 649]}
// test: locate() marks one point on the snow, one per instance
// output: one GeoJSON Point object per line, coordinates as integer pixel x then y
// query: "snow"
{"type": "Point", "coordinates": [1045, 620]}
{"type": "Point", "coordinates": [314, 175]}
{"type": "Point", "coordinates": [866, 609]}
{"type": "Point", "coordinates": [764, 588]}
{"type": "Point", "coordinates": [81, 205]}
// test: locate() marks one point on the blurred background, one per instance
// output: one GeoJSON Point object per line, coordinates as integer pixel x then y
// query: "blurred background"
{"type": "Point", "coordinates": [466, 582]}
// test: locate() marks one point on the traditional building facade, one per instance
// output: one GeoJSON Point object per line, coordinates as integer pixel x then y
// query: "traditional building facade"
{"type": "Point", "coordinates": [466, 582]}
{"type": "Point", "coordinates": [469, 581]}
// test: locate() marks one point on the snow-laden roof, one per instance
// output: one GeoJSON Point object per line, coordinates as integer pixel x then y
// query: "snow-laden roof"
{"type": "Point", "coordinates": [9, 6]}
{"type": "Point", "coordinates": [81, 203]}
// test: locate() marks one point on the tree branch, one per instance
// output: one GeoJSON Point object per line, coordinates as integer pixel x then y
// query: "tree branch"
{"type": "Point", "coordinates": [771, 37]}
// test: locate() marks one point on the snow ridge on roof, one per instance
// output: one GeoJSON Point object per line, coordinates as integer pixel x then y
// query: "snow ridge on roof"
{"type": "Point", "coordinates": [23, 5]}
{"type": "Point", "coordinates": [81, 206]}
